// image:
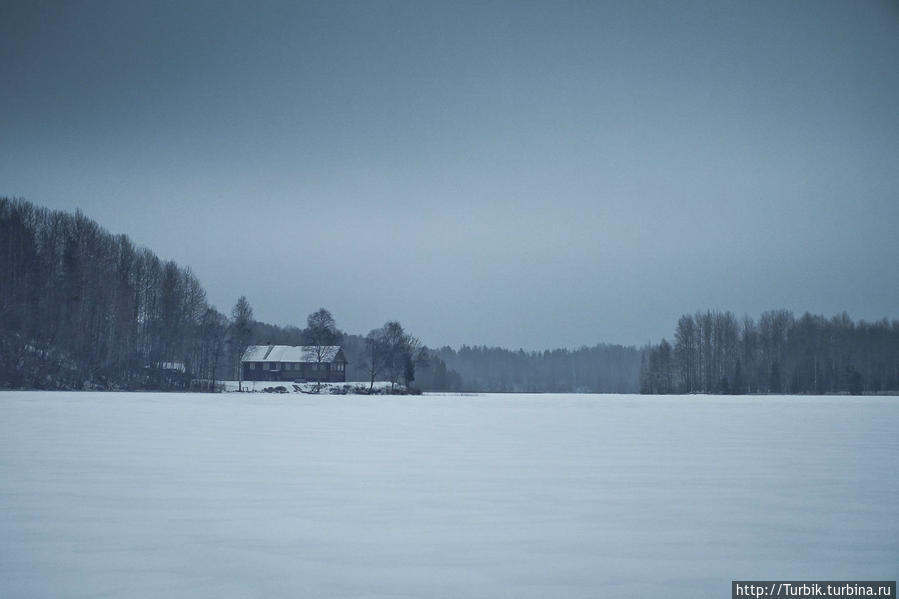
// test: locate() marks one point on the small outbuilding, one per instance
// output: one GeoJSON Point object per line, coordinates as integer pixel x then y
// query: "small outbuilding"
{"type": "Point", "coordinates": [321, 363]}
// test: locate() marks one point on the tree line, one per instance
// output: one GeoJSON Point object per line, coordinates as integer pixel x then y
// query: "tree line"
{"type": "Point", "coordinates": [599, 369]}
{"type": "Point", "coordinates": [82, 308]}
{"type": "Point", "coordinates": [714, 352]}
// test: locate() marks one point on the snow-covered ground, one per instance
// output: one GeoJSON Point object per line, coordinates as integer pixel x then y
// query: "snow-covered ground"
{"type": "Point", "coordinates": [230, 495]}
{"type": "Point", "coordinates": [321, 388]}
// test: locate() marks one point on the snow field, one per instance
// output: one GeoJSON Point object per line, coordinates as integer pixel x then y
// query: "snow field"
{"type": "Point", "coordinates": [258, 495]}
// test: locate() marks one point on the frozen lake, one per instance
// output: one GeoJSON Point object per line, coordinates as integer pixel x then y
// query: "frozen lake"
{"type": "Point", "coordinates": [178, 495]}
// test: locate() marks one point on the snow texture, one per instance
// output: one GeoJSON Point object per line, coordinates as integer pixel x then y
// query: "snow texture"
{"type": "Point", "coordinates": [230, 495]}
{"type": "Point", "coordinates": [314, 387]}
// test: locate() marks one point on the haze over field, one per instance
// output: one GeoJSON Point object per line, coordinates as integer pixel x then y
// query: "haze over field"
{"type": "Point", "coordinates": [522, 174]}
{"type": "Point", "coordinates": [188, 495]}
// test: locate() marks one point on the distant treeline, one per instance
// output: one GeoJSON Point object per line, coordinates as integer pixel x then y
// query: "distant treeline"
{"type": "Point", "coordinates": [713, 352]}
{"type": "Point", "coordinates": [598, 369]}
{"type": "Point", "coordinates": [82, 308]}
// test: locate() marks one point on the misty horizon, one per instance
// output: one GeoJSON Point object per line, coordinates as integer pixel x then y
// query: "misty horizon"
{"type": "Point", "coordinates": [298, 325]}
{"type": "Point", "coordinates": [522, 176]}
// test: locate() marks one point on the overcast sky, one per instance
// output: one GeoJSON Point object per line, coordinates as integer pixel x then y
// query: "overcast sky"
{"type": "Point", "coordinates": [522, 174]}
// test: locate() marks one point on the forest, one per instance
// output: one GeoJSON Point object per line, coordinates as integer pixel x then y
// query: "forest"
{"type": "Point", "coordinates": [598, 369]}
{"type": "Point", "coordinates": [81, 308]}
{"type": "Point", "coordinates": [714, 352]}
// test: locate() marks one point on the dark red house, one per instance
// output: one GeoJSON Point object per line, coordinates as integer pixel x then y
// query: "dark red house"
{"type": "Point", "coordinates": [324, 363]}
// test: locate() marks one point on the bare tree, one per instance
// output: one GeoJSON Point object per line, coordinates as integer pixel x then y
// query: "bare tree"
{"type": "Point", "coordinates": [320, 335]}
{"type": "Point", "coordinates": [400, 353]}
{"type": "Point", "coordinates": [211, 341]}
{"type": "Point", "coordinates": [241, 329]}
{"type": "Point", "coordinates": [375, 355]}
{"type": "Point", "coordinates": [394, 338]}
{"type": "Point", "coordinates": [321, 329]}
{"type": "Point", "coordinates": [414, 355]}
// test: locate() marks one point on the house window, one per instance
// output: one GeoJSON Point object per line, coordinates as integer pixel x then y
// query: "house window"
{"type": "Point", "coordinates": [252, 365]}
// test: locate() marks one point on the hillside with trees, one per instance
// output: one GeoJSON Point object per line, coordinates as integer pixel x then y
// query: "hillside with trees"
{"type": "Point", "coordinates": [83, 308]}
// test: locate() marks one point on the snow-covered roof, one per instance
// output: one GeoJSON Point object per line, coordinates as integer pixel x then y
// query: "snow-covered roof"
{"type": "Point", "coordinates": [290, 353]}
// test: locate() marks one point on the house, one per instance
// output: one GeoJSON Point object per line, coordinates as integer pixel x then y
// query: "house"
{"type": "Point", "coordinates": [324, 363]}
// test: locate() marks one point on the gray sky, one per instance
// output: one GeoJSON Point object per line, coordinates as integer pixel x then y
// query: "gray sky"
{"type": "Point", "coordinates": [522, 174]}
